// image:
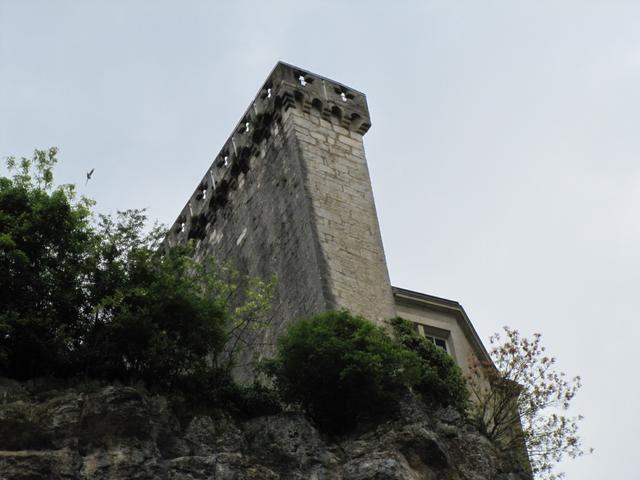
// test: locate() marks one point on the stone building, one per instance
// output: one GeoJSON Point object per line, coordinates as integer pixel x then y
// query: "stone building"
{"type": "Point", "coordinates": [289, 194]}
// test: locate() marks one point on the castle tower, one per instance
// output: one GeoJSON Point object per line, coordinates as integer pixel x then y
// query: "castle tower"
{"type": "Point", "coordinates": [289, 194]}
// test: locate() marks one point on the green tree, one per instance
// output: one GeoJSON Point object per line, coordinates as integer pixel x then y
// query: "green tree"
{"type": "Point", "coordinates": [45, 261]}
{"type": "Point", "coordinates": [102, 297]}
{"type": "Point", "coordinates": [154, 317]}
{"type": "Point", "coordinates": [341, 368]}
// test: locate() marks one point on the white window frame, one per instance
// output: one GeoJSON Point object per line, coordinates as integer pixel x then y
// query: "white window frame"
{"type": "Point", "coordinates": [433, 333]}
{"type": "Point", "coordinates": [435, 340]}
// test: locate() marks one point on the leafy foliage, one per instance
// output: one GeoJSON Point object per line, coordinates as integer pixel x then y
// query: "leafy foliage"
{"type": "Point", "coordinates": [523, 399]}
{"type": "Point", "coordinates": [341, 368]}
{"type": "Point", "coordinates": [45, 261]}
{"type": "Point", "coordinates": [255, 400]}
{"type": "Point", "coordinates": [248, 301]}
{"type": "Point", "coordinates": [102, 298]}
{"type": "Point", "coordinates": [441, 381]}
{"type": "Point", "coordinates": [154, 320]}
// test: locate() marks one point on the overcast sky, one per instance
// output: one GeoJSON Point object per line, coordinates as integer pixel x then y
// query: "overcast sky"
{"type": "Point", "coordinates": [504, 152]}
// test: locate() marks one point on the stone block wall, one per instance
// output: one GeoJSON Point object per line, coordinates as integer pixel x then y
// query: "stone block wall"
{"type": "Point", "coordinates": [344, 215]}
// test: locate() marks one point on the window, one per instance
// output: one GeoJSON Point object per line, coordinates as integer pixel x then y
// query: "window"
{"type": "Point", "coordinates": [438, 342]}
{"type": "Point", "coordinates": [438, 336]}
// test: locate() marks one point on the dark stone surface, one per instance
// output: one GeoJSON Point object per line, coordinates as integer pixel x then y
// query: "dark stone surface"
{"type": "Point", "coordinates": [144, 440]}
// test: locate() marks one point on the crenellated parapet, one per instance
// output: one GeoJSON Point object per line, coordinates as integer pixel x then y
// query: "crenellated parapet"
{"type": "Point", "coordinates": [286, 87]}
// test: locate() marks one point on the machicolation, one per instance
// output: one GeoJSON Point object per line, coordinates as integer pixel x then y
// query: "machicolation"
{"type": "Point", "coordinates": [332, 101]}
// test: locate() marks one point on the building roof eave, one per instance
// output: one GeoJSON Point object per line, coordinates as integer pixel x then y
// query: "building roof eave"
{"type": "Point", "coordinates": [446, 306]}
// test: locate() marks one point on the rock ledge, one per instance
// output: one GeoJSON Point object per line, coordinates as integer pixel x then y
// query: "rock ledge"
{"type": "Point", "coordinates": [122, 432]}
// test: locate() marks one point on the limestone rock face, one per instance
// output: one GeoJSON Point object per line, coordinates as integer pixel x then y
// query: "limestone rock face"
{"type": "Point", "coordinates": [120, 432]}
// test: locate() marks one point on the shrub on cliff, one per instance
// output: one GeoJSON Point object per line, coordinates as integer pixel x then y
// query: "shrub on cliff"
{"type": "Point", "coordinates": [340, 369]}
{"type": "Point", "coordinates": [441, 381]}
{"type": "Point", "coordinates": [152, 319]}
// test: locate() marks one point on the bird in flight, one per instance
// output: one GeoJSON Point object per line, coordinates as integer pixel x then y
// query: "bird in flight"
{"type": "Point", "coordinates": [89, 175]}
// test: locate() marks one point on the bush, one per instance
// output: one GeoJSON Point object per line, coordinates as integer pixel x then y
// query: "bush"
{"type": "Point", "coordinates": [154, 317]}
{"type": "Point", "coordinates": [256, 400]}
{"type": "Point", "coordinates": [341, 369]}
{"type": "Point", "coordinates": [441, 381]}
{"type": "Point", "coordinates": [158, 325]}
{"type": "Point", "coordinates": [216, 390]}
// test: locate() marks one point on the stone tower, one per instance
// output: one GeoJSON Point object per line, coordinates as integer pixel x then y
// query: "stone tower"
{"type": "Point", "coordinates": [289, 194]}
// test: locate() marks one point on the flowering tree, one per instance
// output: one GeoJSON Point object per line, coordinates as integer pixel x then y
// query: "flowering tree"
{"type": "Point", "coordinates": [522, 400]}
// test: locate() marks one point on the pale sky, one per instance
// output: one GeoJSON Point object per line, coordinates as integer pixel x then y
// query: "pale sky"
{"type": "Point", "coordinates": [504, 152]}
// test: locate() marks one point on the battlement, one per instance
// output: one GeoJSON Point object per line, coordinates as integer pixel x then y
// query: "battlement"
{"type": "Point", "coordinates": [286, 87]}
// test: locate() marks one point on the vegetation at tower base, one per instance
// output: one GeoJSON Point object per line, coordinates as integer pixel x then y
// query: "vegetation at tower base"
{"type": "Point", "coordinates": [524, 402]}
{"type": "Point", "coordinates": [441, 381]}
{"type": "Point", "coordinates": [343, 370]}
{"type": "Point", "coordinates": [94, 297]}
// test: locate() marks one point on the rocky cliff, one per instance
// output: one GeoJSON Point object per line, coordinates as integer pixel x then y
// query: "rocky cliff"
{"type": "Point", "coordinates": [121, 432]}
